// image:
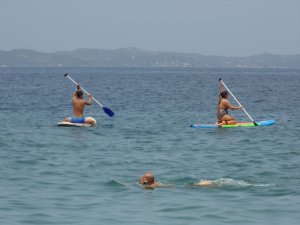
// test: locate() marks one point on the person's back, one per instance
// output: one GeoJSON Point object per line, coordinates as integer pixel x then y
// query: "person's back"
{"type": "Point", "coordinates": [223, 105]}
{"type": "Point", "coordinates": [78, 108]}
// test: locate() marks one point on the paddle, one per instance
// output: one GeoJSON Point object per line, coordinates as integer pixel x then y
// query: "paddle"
{"type": "Point", "coordinates": [238, 102]}
{"type": "Point", "coordinates": [105, 109]}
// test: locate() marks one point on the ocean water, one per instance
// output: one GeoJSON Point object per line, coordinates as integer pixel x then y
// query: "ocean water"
{"type": "Point", "coordinates": [65, 175]}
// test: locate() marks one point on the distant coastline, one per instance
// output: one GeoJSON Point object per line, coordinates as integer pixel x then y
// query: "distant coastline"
{"type": "Point", "coordinates": [133, 57]}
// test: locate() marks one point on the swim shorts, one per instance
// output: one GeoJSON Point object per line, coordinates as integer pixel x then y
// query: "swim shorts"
{"type": "Point", "coordinates": [77, 120]}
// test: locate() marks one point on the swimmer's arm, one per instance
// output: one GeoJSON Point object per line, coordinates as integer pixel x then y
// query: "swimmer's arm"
{"type": "Point", "coordinates": [160, 185]}
{"type": "Point", "coordinates": [166, 185]}
{"type": "Point", "coordinates": [90, 100]}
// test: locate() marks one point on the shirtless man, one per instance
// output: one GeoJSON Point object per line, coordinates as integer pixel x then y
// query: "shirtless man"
{"type": "Point", "coordinates": [222, 110]}
{"type": "Point", "coordinates": [148, 181]}
{"type": "Point", "coordinates": [78, 107]}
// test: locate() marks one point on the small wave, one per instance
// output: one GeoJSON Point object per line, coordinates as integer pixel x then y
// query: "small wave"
{"type": "Point", "coordinates": [27, 161]}
{"type": "Point", "coordinates": [231, 182]}
{"type": "Point", "coordinates": [107, 126]}
{"type": "Point", "coordinates": [113, 183]}
{"type": "Point", "coordinates": [259, 101]}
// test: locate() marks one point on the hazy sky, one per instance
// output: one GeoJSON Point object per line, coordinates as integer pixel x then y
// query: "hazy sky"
{"type": "Point", "coordinates": [210, 27]}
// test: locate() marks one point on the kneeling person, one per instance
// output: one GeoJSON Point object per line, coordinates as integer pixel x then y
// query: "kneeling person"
{"type": "Point", "coordinates": [78, 107]}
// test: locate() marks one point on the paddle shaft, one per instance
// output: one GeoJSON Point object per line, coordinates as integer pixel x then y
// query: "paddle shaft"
{"type": "Point", "coordinates": [84, 91]}
{"type": "Point", "coordinates": [237, 101]}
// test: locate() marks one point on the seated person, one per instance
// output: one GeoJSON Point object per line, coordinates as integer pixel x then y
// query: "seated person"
{"type": "Point", "coordinates": [222, 110]}
{"type": "Point", "coordinates": [78, 107]}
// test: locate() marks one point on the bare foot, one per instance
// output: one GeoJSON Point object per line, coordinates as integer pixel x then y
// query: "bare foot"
{"type": "Point", "coordinates": [222, 123]}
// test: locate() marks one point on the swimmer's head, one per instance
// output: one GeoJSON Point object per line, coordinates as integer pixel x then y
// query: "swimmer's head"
{"type": "Point", "coordinates": [224, 94]}
{"type": "Point", "coordinates": [79, 93]}
{"type": "Point", "coordinates": [147, 179]}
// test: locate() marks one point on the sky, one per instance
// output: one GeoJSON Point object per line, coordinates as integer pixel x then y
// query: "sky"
{"type": "Point", "coordinates": [208, 27]}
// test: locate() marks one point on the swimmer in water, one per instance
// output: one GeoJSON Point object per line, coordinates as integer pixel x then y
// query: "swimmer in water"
{"type": "Point", "coordinates": [148, 181]}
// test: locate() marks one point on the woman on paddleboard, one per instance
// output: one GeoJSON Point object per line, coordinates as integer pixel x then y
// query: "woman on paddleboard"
{"type": "Point", "coordinates": [223, 106]}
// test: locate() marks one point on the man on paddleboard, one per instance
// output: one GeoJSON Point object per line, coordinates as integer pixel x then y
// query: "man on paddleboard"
{"type": "Point", "coordinates": [223, 106]}
{"type": "Point", "coordinates": [78, 107]}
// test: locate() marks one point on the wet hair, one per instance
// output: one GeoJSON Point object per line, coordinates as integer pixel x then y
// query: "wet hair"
{"type": "Point", "coordinates": [79, 93]}
{"type": "Point", "coordinates": [149, 179]}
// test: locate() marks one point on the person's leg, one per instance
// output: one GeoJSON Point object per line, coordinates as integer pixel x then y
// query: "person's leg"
{"type": "Point", "coordinates": [227, 119]}
{"type": "Point", "coordinates": [90, 120]}
{"type": "Point", "coordinates": [68, 119]}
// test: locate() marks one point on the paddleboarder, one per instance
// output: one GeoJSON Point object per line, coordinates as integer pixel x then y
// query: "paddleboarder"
{"type": "Point", "coordinates": [222, 112]}
{"type": "Point", "coordinates": [223, 106]}
{"type": "Point", "coordinates": [78, 107]}
{"type": "Point", "coordinates": [108, 111]}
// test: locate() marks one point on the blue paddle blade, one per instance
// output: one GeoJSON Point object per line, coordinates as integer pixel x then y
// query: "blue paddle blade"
{"type": "Point", "coordinates": [108, 112]}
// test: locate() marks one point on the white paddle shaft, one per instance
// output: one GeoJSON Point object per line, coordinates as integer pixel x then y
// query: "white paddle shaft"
{"type": "Point", "coordinates": [237, 100]}
{"type": "Point", "coordinates": [84, 91]}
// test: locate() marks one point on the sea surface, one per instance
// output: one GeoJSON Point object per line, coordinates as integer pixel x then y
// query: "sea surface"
{"type": "Point", "coordinates": [87, 176]}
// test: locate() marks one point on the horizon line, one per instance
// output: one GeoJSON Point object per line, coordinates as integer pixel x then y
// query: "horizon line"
{"type": "Point", "coordinates": [152, 51]}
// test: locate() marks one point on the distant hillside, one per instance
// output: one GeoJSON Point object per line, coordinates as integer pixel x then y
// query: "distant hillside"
{"type": "Point", "coordinates": [132, 57]}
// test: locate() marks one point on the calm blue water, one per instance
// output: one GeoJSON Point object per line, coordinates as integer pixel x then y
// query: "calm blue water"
{"type": "Point", "coordinates": [56, 175]}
